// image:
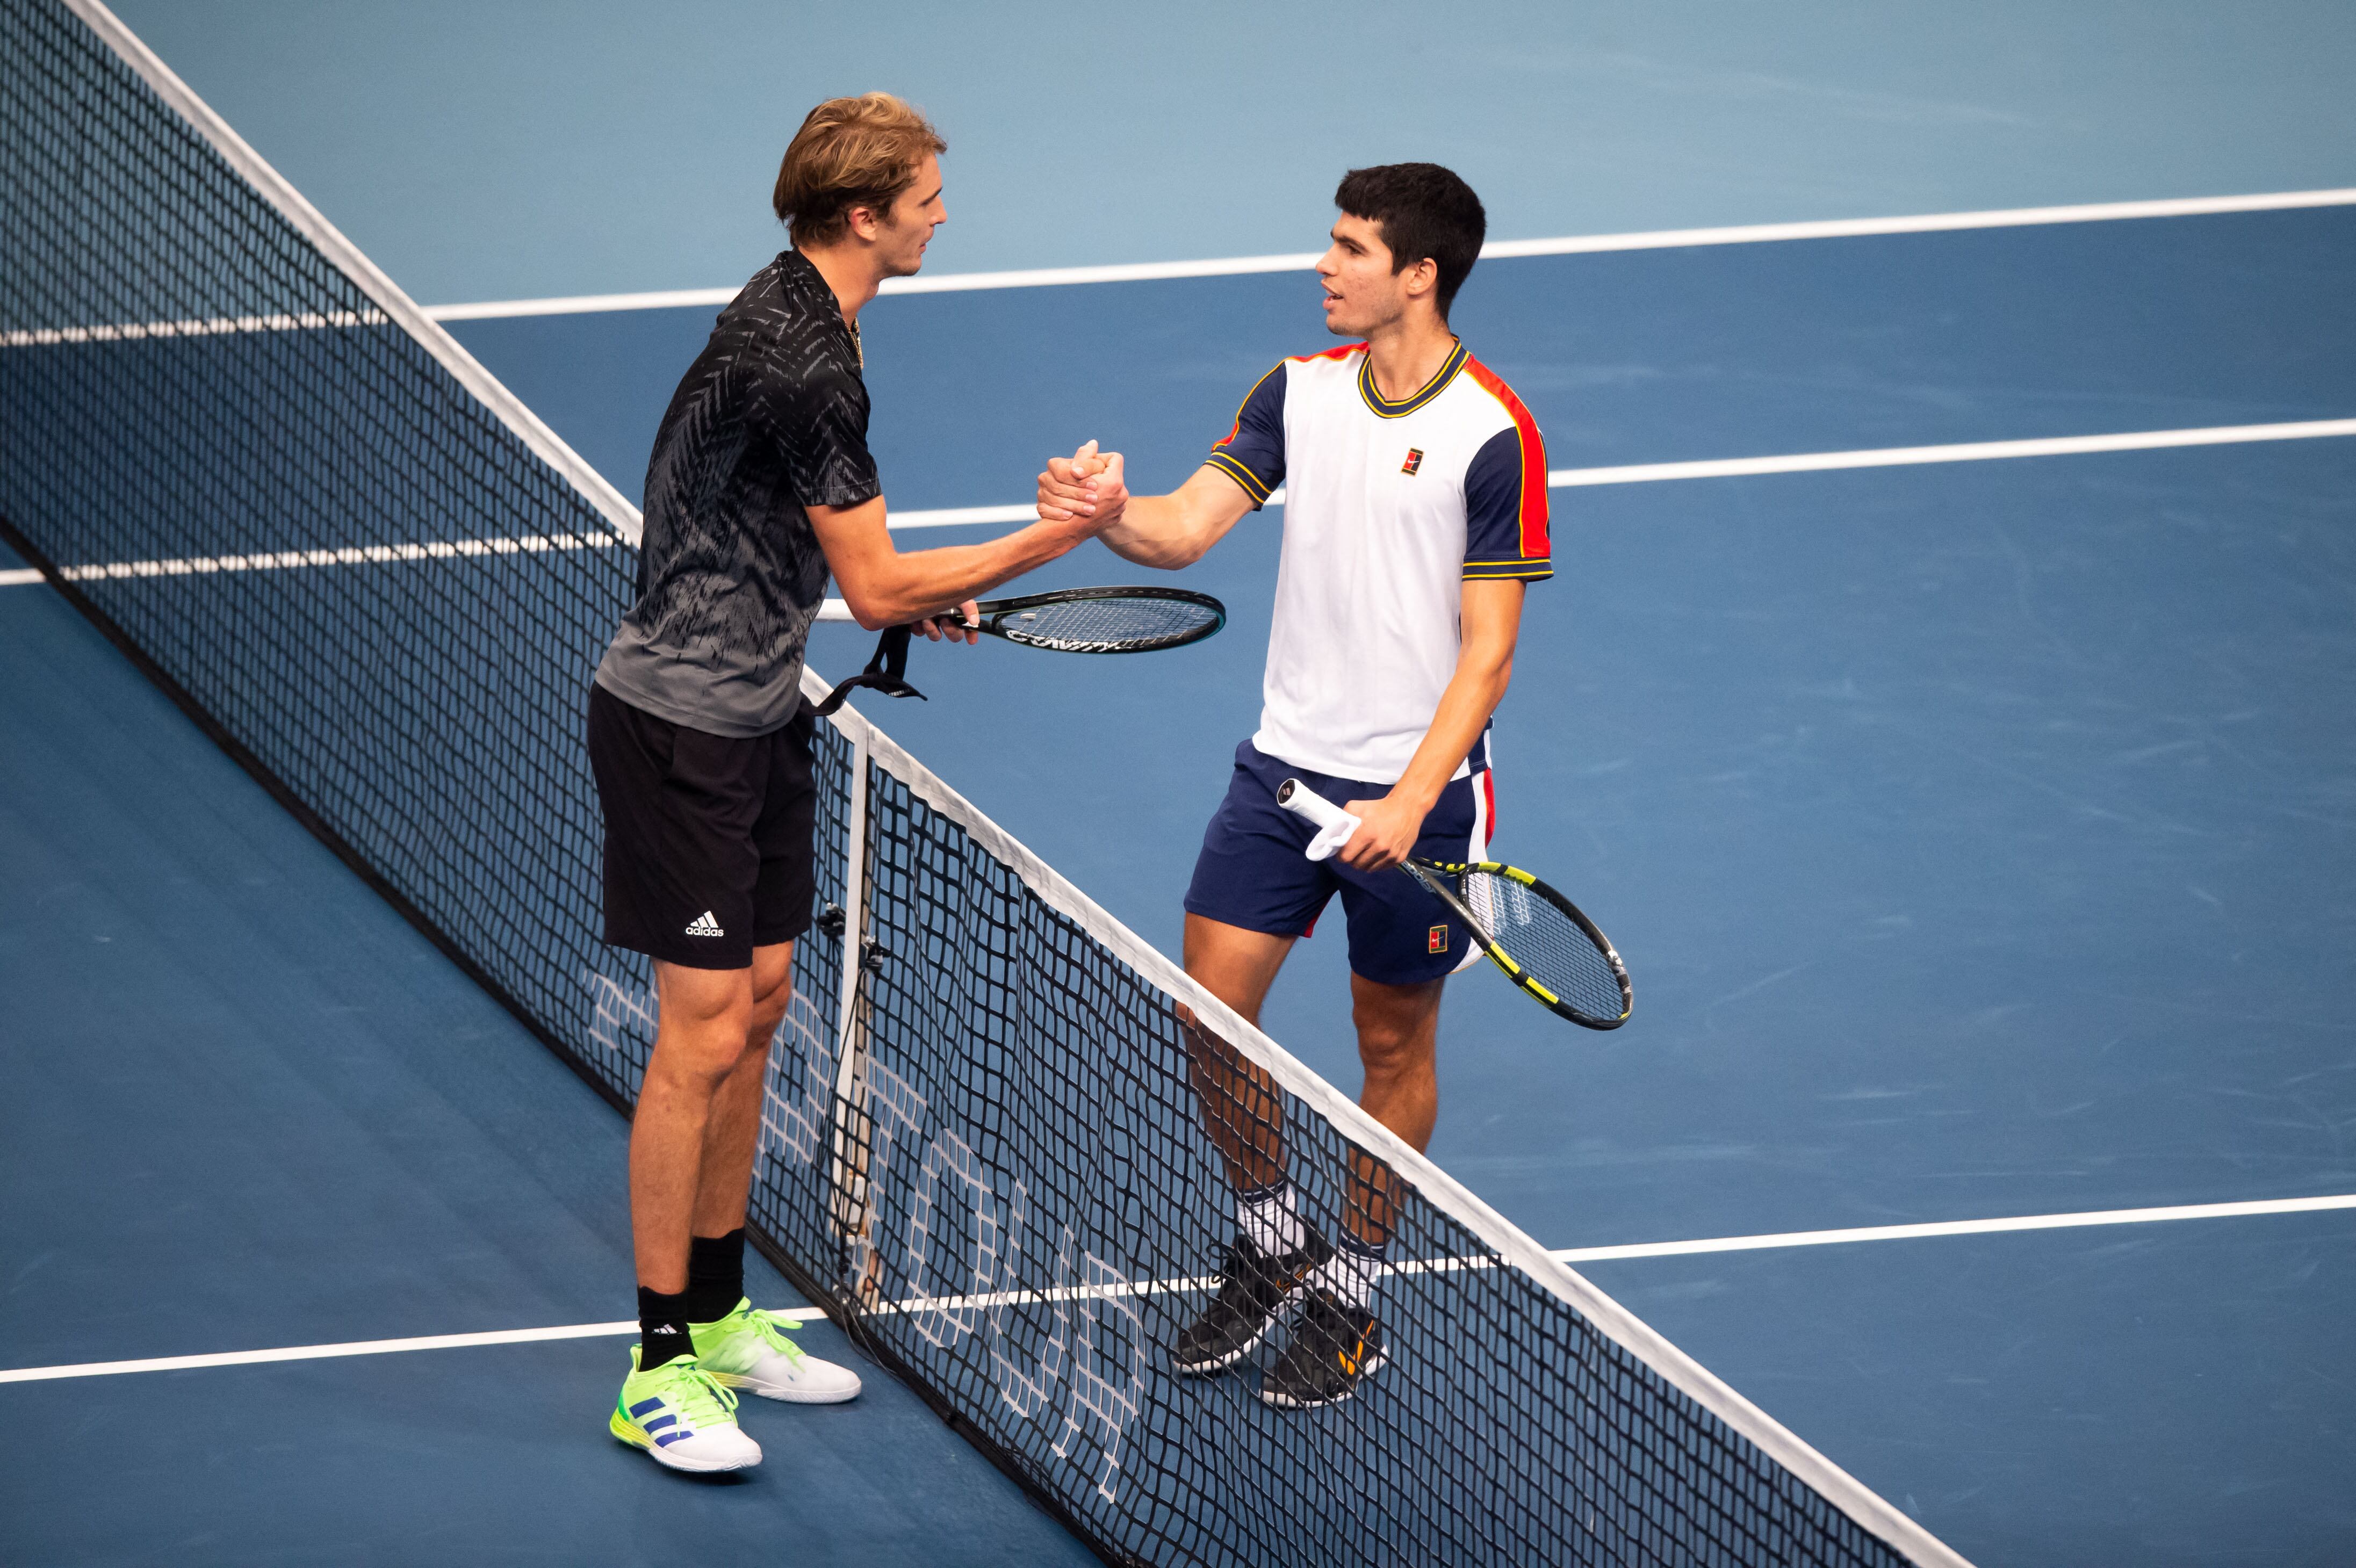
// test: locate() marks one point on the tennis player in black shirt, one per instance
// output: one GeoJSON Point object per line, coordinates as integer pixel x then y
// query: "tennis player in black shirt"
{"type": "Point", "coordinates": [760, 485]}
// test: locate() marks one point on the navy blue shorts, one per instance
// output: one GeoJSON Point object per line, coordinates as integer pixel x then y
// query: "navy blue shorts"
{"type": "Point", "coordinates": [1252, 872]}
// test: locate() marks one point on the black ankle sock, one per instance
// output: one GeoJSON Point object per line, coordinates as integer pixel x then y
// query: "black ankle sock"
{"type": "Point", "coordinates": [662, 1328]}
{"type": "Point", "coordinates": [715, 1276]}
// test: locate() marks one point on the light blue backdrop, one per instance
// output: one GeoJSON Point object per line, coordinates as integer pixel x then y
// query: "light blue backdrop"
{"type": "Point", "coordinates": [488, 150]}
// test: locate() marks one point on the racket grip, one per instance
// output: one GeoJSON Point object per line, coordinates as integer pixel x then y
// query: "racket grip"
{"type": "Point", "coordinates": [1334, 824]}
{"type": "Point", "coordinates": [1302, 801]}
{"type": "Point", "coordinates": [840, 609]}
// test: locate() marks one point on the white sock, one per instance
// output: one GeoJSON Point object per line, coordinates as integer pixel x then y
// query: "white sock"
{"type": "Point", "coordinates": [1271, 1218]}
{"type": "Point", "coordinates": [1350, 1273]}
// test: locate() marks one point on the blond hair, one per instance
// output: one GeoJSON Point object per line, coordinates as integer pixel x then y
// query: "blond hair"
{"type": "Point", "coordinates": [850, 152]}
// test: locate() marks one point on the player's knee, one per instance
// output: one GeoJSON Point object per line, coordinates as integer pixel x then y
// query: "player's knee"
{"type": "Point", "coordinates": [768, 1008]}
{"type": "Point", "coordinates": [1390, 1052]}
{"type": "Point", "coordinates": [1394, 1041]}
{"type": "Point", "coordinates": [703, 1029]}
{"type": "Point", "coordinates": [706, 1048]}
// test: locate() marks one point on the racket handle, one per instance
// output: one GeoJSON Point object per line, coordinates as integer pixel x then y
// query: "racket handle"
{"type": "Point", "coordinates": [839, 610]}
{"type": "Point", "coordinates": [1302, 801]}
{"type": "Point", "coordinates": [1334, 824]}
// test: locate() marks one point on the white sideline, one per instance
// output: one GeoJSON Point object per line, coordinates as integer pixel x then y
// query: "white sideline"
{"type": "Point", "coordinates": [1880, 457]}
{"type": "Point", "coordinates": [1232, 266]}
{"type": "Point", "coordinates": [357, 1348]}
{"type": "Point", "coordinates": [1560, 478]}
{"type": "Point", "coordinates": [1819, 462]}
{"type": "Point", "coordinates": [1960, 452]}
{"type": "Point", "coordinates": [1960, 1228]}
{"type": "Point", "coordinates": [1166, 1286]}
{"type": "Point", "coordinates": [1571, 245]}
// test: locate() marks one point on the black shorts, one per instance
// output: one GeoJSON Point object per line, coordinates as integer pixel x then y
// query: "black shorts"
{"type": "Point", "coordinates": [707, 839]}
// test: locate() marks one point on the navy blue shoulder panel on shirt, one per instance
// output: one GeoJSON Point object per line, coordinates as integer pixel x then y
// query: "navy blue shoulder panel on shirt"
{"type": "Point", "coordinates": [1252, 454]}
{"type": "Point", "coordinates": [1499, 535]}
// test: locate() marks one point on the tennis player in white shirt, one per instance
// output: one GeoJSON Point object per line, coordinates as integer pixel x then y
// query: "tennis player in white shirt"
{"type": "Point", "coordinates": [1415, 516]}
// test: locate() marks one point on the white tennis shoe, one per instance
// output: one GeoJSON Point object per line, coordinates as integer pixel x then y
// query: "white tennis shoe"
{"type": "Point", "coordinates": [748, 1350]}
{"type": "Point", "coordinates": [681, 1415]}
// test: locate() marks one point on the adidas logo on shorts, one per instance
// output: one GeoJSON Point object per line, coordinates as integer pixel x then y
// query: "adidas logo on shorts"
{"type": "Point", "coordinates": [705, 926]}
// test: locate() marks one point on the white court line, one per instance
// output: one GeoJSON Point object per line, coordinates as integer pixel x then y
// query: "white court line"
{"type": "Point", "coordinates": [913, 1305]}
{"type": "Point", "coordinates": [1233, 266]}
{"type": "Point", "coordinates": [1171, 1286]}
{"type": "Point", "coordinates": [951, 516]}
{"type": "Point", "coordinates": [296, 559]}
{"type": "Point", "coordinates": [357, 1348]}
{"type": "Point", "coordinates": [1961, 452]}
{"type": "Point", "coordinates": [1960, 1228]}
{"type": "Point", "coordinates": [1560, 478]}
{"type": "Point", "coordinates": [213, 327]}
{"type": "Point", "coordinates": [1817, 461]}
{"type": "Point", "coordinates": [1571, 245]}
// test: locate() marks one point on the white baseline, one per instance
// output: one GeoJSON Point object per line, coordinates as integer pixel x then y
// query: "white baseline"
{"type": "Point", "coordinates": [356, 1347]}
{"type": "Point", "coordinates": [1928, 1229]}
{"type": "Point", "coordinates": [1570, 245]}
{"type": "Point", "coordinates": [1817, 461]}
{"type": "Point", "coordinates": [1560, 478]}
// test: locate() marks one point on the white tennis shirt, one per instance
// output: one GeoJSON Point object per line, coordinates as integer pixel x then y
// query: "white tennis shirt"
{"type": "Point", "coordinates": [1388, 509]}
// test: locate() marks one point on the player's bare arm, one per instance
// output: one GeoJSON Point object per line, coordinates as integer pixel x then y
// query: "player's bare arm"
{"type": "Point", "coordinates": [1389, 826]}
{"type": "Point", "coordinates": [886, 588]}
{"type": "Point", "coordinates": [1165, 531]}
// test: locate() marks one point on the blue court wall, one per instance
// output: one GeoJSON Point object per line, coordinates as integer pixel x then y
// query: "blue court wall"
{"type": "Point", "coordinates": [495, 152]}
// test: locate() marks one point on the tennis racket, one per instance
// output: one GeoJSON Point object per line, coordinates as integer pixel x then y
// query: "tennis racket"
{"type": "Point", "coordinates": [1535, 934]}
{"type": "Point", "coordinates": [1092, 620]}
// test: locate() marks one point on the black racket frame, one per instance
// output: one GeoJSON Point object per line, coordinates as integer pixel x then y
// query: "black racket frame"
{"type": "Point", "coordinates": [1445, 879]}
{"type": "Point", "coordinates": [993, 612]}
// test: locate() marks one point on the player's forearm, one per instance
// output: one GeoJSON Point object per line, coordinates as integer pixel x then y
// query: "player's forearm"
{"type": "Point", "coordinates": [1472, 695]}
{"type": "Point", "coordinates": [888, 589]}
{"type": "Point", "coordinates": [1158, 531]}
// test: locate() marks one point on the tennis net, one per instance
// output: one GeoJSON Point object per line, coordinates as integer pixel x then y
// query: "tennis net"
{"type": "Point", "coordinates": [381, 584]}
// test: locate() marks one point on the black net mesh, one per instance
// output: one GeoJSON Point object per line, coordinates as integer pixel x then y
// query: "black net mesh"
{"type": "Point", "coordinates": [197, 409]}
{"type": "Point", "coordinates": [371, 589]}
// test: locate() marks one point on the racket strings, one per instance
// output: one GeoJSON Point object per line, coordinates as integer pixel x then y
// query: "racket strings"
{"type": "Point", "coordinates": [1133, 625]}
{"type": "Point", "coordinates": [1552, 948]}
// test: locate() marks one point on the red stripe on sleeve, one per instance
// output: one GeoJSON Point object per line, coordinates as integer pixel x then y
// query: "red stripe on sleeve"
{"type": "Point", "coordinates": [1535, 544]}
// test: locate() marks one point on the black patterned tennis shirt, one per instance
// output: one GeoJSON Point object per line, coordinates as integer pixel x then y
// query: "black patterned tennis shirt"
{"type": "Point", "coordinates": [771, 419]}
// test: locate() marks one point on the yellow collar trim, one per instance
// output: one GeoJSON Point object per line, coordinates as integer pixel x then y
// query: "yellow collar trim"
{"type": "Point", "coordinates": [1420, 396]}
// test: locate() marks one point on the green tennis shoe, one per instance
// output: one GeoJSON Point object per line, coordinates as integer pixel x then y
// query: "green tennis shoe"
{"type": "Point", "coordinates": [683, 1416]}
{"type": "Point", "coordinates": [748, 1350]}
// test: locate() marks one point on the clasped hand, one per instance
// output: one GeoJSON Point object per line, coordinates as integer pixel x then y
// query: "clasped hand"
{"type": "Point", "coordinates": [1084, 490]}
{"type": "Point", "coordinates": [1087, 488]}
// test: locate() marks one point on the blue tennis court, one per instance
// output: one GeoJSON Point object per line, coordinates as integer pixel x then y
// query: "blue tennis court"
{"type": "Point", "coordinates": [1977, 826]}
{"type": "Point", "coordinates": [1975, 830]}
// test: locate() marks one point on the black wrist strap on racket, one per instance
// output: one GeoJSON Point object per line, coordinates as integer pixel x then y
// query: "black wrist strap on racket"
{"type": "Point", "coordinates": [884, 672]}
